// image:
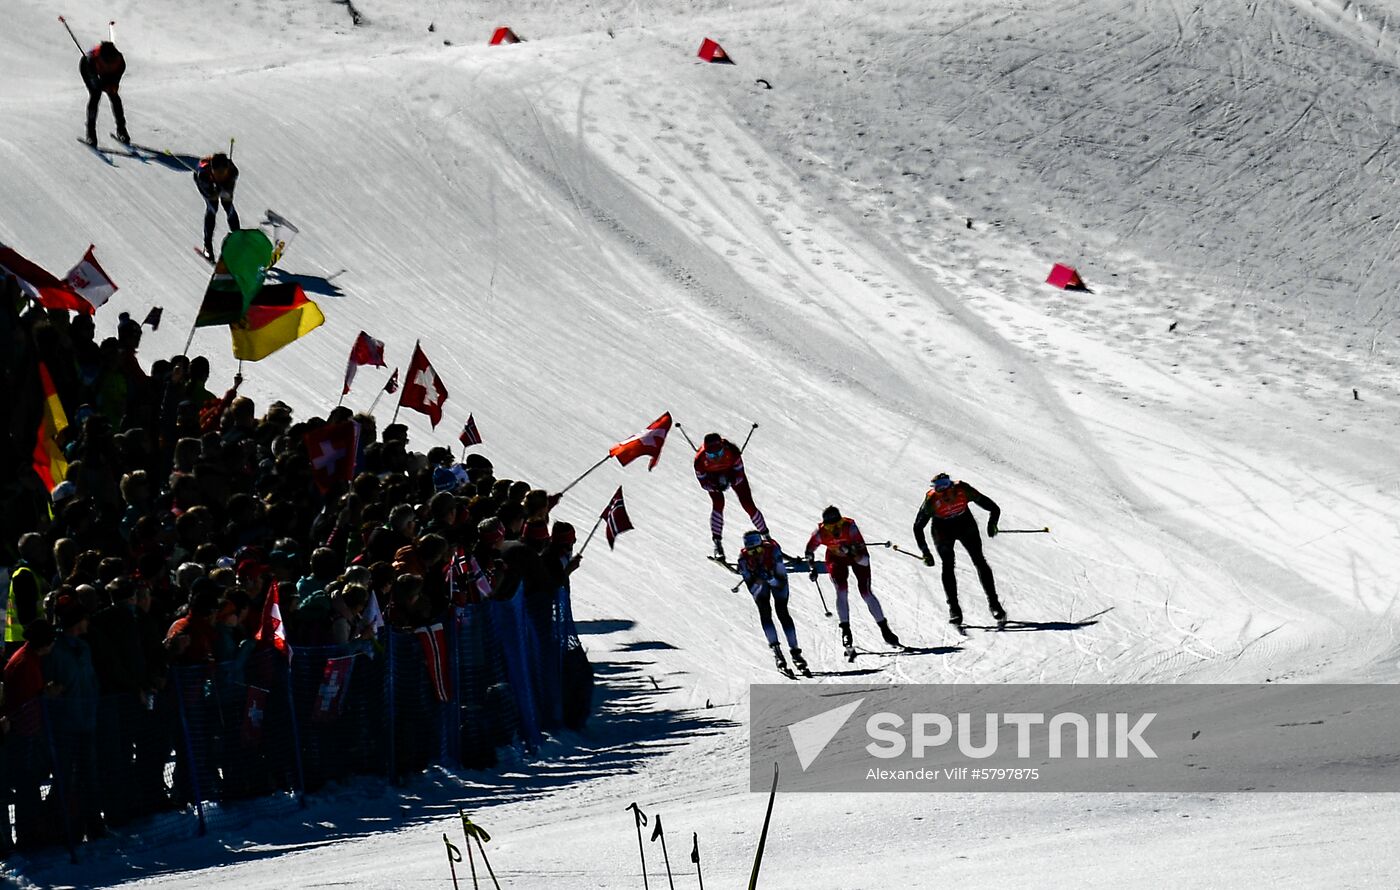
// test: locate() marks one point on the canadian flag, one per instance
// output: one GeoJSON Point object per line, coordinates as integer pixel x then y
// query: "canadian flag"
{"type": "Point", "coordinates": [366, 351]}
{"type": "Point", "coordinates": [649, 442]}
{"type": "Point", "coordinates": [615, 518]}
{"type": "Point", "coordinates": [271, 632]}
{"type": "Point", "coordinates": [89, 281]}
{"type": "Point", "coordinates": [332, 448]}
{"type": "Point", "coordinates": [422, 389]}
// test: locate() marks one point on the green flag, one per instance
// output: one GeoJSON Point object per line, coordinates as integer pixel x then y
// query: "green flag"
{"type": "Point", "coordinates": [243, 261]}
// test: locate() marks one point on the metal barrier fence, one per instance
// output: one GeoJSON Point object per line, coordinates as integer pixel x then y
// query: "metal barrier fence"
{"type": "Point", "coordinates": [268, 728]}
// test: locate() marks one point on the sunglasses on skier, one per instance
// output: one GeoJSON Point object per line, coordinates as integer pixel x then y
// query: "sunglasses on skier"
{"type": "Point", "coordinates": [942, 483]}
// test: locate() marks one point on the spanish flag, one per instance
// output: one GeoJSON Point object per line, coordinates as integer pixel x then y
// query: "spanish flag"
{"type": "Point", "coordinates": [49, 462]}
{"type": "Point", "coordinates": [280, 314]}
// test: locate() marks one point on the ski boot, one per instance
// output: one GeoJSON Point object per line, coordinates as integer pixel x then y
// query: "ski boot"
{"type": "Point", "coordinates": [1000, 615]}
{"type": "Point", "coordinates": [889, 635]}
{"type": "Point", "coordinates": [800, 663]}
{"type": "Point", "coordinates": [846, 642]}
{"type": "Point", "coordinates": [719, 548]}
{"type": "Point", "coordinates": [122, 136]}
{"type": "Point", "coordinates": [91, 139]}
{"type": "Point", "coordinates": [956, 619]}
{"type": "Point", "coordinates": [781, 663]}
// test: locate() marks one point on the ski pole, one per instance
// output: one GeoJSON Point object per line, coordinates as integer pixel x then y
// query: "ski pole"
{"type": "Point", "coordinates": [687, 436]}
{"type": "Point", "coordinates": [658, 833]}
{"type": "Point", "coordinates": [72, 35]}
{"type": "Point", "coordinates": [695, 857]}
{"type": "Point", "coordinates": [763, 835]}
{"type": "Point", "coordinates": [1023, 531]}
{"type": "Point", "coordinates": [112, 31]}
{"type": "Point", "coordinates": [817, 581]}
{"type": "Point", "coordinates": [453, 855]}
{"type": "Point", "coordinates": [897, 549]}
{"type": "Point", "coordinates": [640, 819]}
{"type": "Point", "coordinates": [230, 148]}
{"type": "Point", "coordinates": [747, 438]}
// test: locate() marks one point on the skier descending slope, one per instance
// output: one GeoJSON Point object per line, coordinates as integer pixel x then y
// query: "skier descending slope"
{"type": "Point", "coordinates": [216, 178]}
{"type": "Point", "coordinates": [719, 465]}
{"type": "Point", "coordinates": [846, 552]}
{"type": "Point", "coordinates": [102, 69]}
{"type": "Point", "coordinates": [761, 566]}
{"type": "Point", "coordinates": [945, 510]}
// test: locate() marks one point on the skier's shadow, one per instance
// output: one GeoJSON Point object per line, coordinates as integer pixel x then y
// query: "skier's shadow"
{"type": "Point", "coordinates": [915, 650]}
{"type": "Point", "coordinates": [853, 672]}
{"type": "Point", "coordinates": [312, 284]}
{"type": "Point", "coordinates": [1028, 626]}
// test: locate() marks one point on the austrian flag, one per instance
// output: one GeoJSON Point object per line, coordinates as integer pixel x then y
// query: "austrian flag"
{"type": "Point", "coordinates": [423, 391]}
{"type": "Point", "coordinates": [648, 442]}
{"type": "Point", "coordinates": [615, 518]}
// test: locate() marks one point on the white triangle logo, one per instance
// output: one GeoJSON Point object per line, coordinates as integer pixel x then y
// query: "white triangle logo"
{"type": "Point", "coordinates": [810, 736]}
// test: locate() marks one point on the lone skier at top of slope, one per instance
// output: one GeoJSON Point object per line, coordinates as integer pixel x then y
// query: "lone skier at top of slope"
{"type": "Point", "coordinates": [216, 179]}
{"type": "Point", "coordinates": [102, 68]}
{"type": "Point", "coordinates": [846, 552]}
{"type": "Point", "coordinates": [761, 566]}
{"type": "Point", "coordinates": [719, 465]}
{"type": "Point", "coordinates": [945, 510]}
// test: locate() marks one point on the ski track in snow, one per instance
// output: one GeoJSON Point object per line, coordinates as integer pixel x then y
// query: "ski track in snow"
{"type": "Point", "coordinates": [592, 227]}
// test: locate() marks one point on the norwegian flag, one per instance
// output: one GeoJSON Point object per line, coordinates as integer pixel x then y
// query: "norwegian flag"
{"type": "Point", "coordinates": [89, 281]}
{"type": "Point", "coordinates": [254, 710]}
{"type": "Point", "coordinates": [335, 680]}
{"type": "Point", "coordinates": [469, 436]}
{"type": "Point", "coordinates": [332, 448]}
{"type": "Point", "coordinates": [392, 384]}
{"type": "Point", "coordinates": [615, 518]}
{"type": "Point", "coordinates": [366, 351]}
{"type": "Point", "coordinates": [464, 570]}
{"type": "Point", "coordinates": [423, 390]}
{"type": "Point", "coordinates": [433, 639]}
{"type": "Point", "coordinates": [271, 631]}
{"type": "Point", "coordinates": [648, 442]}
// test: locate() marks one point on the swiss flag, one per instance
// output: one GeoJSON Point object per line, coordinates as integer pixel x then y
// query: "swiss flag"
{"type": "Point", "coordinates": [254, 710]}
{"type": "Point", "coordinates": [615, 518]}
{"type": "Point", "coordinates": [422, 389]}
{"type": "Point", "coordinates": [332, 448]}
{"type": "Point", "coordinates": [648, 442]}
{"type": "Point", "coordinates": [330, 697]}
{"type": "Point", "coordinates": [366, 351]}
{"type": "Point", "coordinates": [271, 632]}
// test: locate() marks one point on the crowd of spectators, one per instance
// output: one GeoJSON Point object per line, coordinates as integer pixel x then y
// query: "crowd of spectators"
{"type": "Point", "coordinates": [180, 510]}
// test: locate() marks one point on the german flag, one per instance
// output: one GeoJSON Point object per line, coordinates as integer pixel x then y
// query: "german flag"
{"type": "Point", "coordinates": [279, 314]}
{"type": "Point", "coordinates": [49, 462]}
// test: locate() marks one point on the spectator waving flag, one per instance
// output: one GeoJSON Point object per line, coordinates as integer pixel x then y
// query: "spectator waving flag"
{"type": "Point", "coordinates": [615, 518]}
{"type": "Point", "coordinates": [648, 442]}
{"type": "Point", "coordinates": [271, 632]}
{"type": "Point", "coordinates": [469, 436]}
{"type": "Point", "coordinates": [366, 351]}
{"type": "Point", "coordinates": [49, 461]}
{"type": "Point", "coordinates": [423, 390]}
{"type": "Point", "coordinates": [391, 385]}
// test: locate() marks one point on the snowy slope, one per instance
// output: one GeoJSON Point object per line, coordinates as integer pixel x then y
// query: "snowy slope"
{"type": "Point", "coordinates": [592, 227]}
